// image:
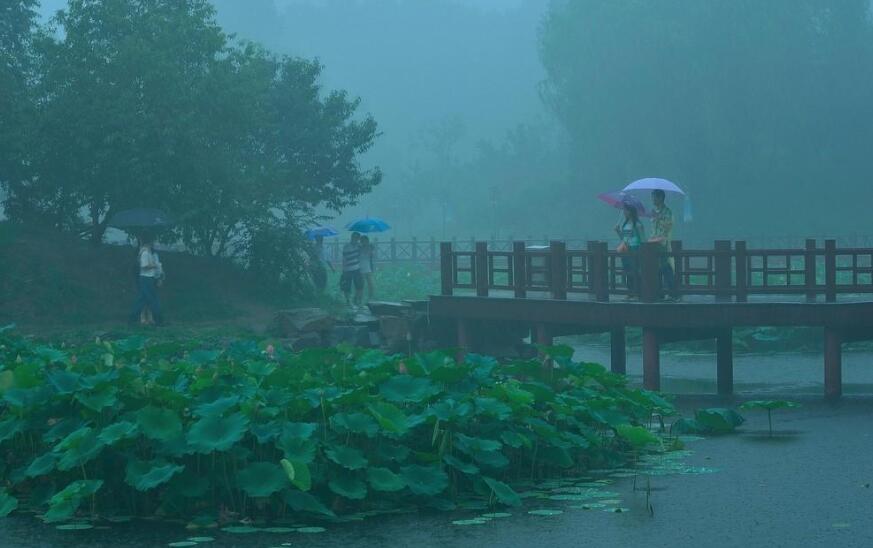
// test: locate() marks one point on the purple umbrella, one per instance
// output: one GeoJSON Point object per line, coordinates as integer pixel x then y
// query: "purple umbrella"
{"type": "Point", "coordinates": [618, 199]}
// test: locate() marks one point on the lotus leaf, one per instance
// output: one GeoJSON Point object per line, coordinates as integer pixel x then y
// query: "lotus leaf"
{"type": "Point", "coordinates": [556, 456]}
{"type": "Point", "coordinates": [347, 457]}
{"type": "Point", "coordinates": [262, 479]}
{"type": "Point", "coordinates": [311, 530]}
{"type": "Point", "coordinates": [90, 382]}
{"type": "Point", "coordinates": [78, 448]}
{"type": "Point", "coordinates": [62, 429]}
{"type": "Point", "coordinates": [299, 430]}
{"type": "Point", "coordinates": [97, 401]}
{"type": "Point", "coordinates": [769, 404]}
{"type": "Point", "coordinates": [636, 435]}
{"type": "Point", "coordinates": [64, 382]}
{"type": "Point", "coordinates": [424, 480]}
{"type": "Point", "coordinates": [383, 479]}
{"type": "Point", "coordinates": [240, 529]}
{"type": "Point", "coordinates": [471, 445]}
{"type": "Point", "coordinates": [217, 433]}
{"type": "Point", "coordinates": [217, 407]}
{"type": "Point", "coordinates": [458, 464]}
{"type": "Point", "coordinates": [266, 432]}
{"type": "Point", "coordinates": [354, 423]}
{"type": "Point", "coordinates": [158, 424]}
{"type": "Point", "coordinates": [118, 431]}
{"type": "Point", "coordinates": [494, 408]}
{"type": "Point", "coordinates": [406, 388]}
{"type": "Point", "coordinates": [304, 502]}
{"type": "Point", "coordinates": [514, 439]}
{"type": "Point", "coordinates": [390, 418]}
{"type": "Point", "coordinates": [8, 503]}
{"type": "Point", "coordinates": [143, 476]}
{"type": "Point", "coordinates": [41, 465]}
{"type": "Point", "coordinates": [718, 420]}
{"type": "Point", "coordinates": [298, 473]}
{"type": "Point", "coordinates": [296, 449]}
{"type": "Point", "coordinates": [65, 502]}
{"type": "Point", "coordinates": [503, 492]}
{"type": "Point", "coordinates": [10, 427]}
{"type": "Point", "coordinates": [448, 410]}
{"type": "Point", "coordinates": [348, 487]}
{"type": "Point", "coordinates": [397, 453]}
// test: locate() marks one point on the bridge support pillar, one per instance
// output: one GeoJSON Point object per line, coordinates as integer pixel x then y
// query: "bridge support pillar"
{"type": "Point", "coordinates": [618, 353]}
{"type": "Point", "coordinates": [833, 363]}
{"type": "Point", "coordinates": [463, 339]}
{"type": "Point", "coordinates": [725, 362]}
{"type": "Point", "coordinates": [544, 335]}
{"type": "Point", "coordinates": [651, 360]}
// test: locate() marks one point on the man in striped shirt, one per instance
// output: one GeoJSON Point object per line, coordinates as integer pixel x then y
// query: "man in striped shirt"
{"type": "Point", "coordinates": [352, 270]}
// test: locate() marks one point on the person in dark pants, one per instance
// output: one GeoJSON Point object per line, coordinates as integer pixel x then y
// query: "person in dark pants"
{"type": "Point", "coordinates": [150, 274]}
{"type": "Point", "coordinates": [351, 275]}
{"type": "Point", "coordinates": [662, 233]}
{"type": "Point", "coordinates": [632, 234]}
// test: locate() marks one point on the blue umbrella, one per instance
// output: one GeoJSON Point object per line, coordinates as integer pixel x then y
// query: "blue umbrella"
{"type": "Point", "coordinates": [323, 231]}
{"type": "Point", "coordinates": [370, 224]}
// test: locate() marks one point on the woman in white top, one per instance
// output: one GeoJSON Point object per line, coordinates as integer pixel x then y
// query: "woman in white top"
{"type": "Point", "coordinates": [367, 252]}
{"type": "Point", "coordinates": [150, 273]}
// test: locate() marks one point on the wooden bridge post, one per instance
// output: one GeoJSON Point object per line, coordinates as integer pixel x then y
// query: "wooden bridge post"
{"type": "Point", "coordinates": [831, 271]}
{"type": "Point", "coordinates": [650, 275]}
{"type": "Point", "coordinates": [519, 269]}
{"type": "Point", "coordinates": [676, 247]}
{"type": "Point", "coordinates": [447, 274]}
{"type": "Point", "coordinates": [481, 261]}
{"type": "Point", "coordinates": [741, 271]}
{"type": "Point", "coordinates": [618, 352]}
{"type": "Point", "coordinates": [833, 363]}
{"type": "Point", "coordinates": [651, 359]}
{"type": "Point", "coordinates": [463, 331]}
{"type": "Point", "coordinates": [722, 270]}
{"type": "Point", "coordinates": [809, 260]}
{"type": "Point", "coordinates": [558, 269]}
{"type": "Point", "coordinates": [598, 271]}
{"type": "Point", "coordinates": [725, 362]}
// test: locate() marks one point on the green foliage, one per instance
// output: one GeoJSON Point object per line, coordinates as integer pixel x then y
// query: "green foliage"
{"type": "Point", "coordinates": [769, 406]}
{"type": "Point", "coordinates": [194, 428]}
{"type": "Point", "coordinates": [716, 420]}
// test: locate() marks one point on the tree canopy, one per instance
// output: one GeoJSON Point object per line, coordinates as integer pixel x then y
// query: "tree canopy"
{"type": "Point", "coordinates": [148, 103]}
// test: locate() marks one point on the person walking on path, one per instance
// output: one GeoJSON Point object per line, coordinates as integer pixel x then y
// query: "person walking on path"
{"type": "Point", "coordinates": [632, 234]}
{"type": "Point", "coordinates": [662, 233]}
{"type": "Point", "coordinates": [150, 274]}
{"type": "Point", "coordinates": [367, 253]}
{"type": "Point", "coordinates": [351, 275]}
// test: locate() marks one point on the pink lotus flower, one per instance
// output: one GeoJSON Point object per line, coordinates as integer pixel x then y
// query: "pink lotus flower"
{"type": "Point", "coordinates": [271, 350]}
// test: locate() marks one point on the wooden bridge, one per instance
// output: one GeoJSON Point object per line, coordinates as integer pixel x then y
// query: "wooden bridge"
{"type": "Point", "coordinates": [556, 291]}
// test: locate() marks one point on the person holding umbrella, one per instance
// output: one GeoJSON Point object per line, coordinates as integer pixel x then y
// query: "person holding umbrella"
{"type": "Point", "coordinates": [632, 234]}
{"type": "Point", "coordinates": [351, 275]}
{"type": "Point", "coordinates": [662, 233]}
{"type": "Point", "coordinates": [150, 274]}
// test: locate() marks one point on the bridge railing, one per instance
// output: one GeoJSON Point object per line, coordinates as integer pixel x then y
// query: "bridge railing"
{"type": "Point", "coordinates": [729, 271]}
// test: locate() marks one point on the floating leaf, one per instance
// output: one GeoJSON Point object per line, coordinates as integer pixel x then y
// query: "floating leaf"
{"type": "Point", "coordinates": [143, 476]}
{"type": "Point", "coordinates": [496, 515]}
{"type": "Point", "coordinates": [74, 527]}
{"type": "Point", "coordinates": [262, 479]}
{"type": "Point", "coordinates": [159, 424]}
{"type": "Point", "coordinates": [464, 522]}
{"type": "Point", "coordinates": [545, 512]}
{"type": "Point", "coordinates": [240, 529]}
{"type": "Point", "coordinates": [424, 480]}
{"type": "Point", "coordinates": [278, 530]}
{"type": "Point", "coordinates": [217, 433]}
{"type": "Point", "coordinates": [201, 539]}
{"type": "Point", "coordinates": [311, 530]}
{"type": "Point", "coordinates": [182, 543]}
{"type": "Point", "coordinates": [383, 479]}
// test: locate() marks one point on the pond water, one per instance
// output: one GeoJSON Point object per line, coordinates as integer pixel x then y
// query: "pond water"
{"type": "Point", "coordinates": [810, 485]}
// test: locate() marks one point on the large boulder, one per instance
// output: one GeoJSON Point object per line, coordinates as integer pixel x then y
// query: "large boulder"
{"type": "Point", "coordinates": [298, 321]}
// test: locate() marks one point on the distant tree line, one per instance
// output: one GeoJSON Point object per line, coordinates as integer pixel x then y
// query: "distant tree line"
{"type": "Point", "coordinates": [148, 103]}
{"type": "Point", "coordinates": [761, 108]}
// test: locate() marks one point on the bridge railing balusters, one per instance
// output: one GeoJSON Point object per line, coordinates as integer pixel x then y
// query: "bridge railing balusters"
{"type": "Point", "coordinates": [809, 260]}
{"type": "Point", "coordinates": [741, 272]}
{"type": "Point", "coordinates": [649, 271]}
{"type": "Point", "coordinates": [447, 267]}
{"type": "Point", "coordinates": [722, 262]}
{"type": "Point", "coordinates": [481, 269]}
{"type": "Point", "coordinates": [558, 274]}
{"type": "Point", "coordinates": [519, 266]}
{"type": "Point", "coordinates": [830, 271]}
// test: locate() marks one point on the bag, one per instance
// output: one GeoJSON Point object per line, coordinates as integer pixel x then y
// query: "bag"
{"type": "Point", "coordinates": [622, 247]}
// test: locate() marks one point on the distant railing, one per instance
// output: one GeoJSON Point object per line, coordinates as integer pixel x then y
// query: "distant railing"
{"type": "Point", "coordinates": [427, 250]}
{"type": "Point", "coordinates": [730, 271]}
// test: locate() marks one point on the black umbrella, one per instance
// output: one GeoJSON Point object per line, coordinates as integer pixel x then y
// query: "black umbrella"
{"type": "Point", "coordinates": [140, 218]}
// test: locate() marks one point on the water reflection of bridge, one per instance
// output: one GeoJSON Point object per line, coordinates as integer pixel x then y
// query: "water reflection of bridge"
{"type": "Point", "coordinates": [556, 291]}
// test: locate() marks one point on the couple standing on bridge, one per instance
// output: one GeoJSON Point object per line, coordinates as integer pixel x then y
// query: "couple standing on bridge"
{"type": "Point", "coordinates": [632, 234]}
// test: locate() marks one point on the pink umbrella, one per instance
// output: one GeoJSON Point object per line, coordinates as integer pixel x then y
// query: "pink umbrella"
{"type": "Point", "coordinates": [618, 199]}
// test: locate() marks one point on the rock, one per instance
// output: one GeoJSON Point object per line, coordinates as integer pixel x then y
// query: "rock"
{"type": "Point", "coordinates": [289, 323]}
{"type": "Point", "coordinates": [306, 340]}
{"type": "Point", "coordinates": [355, 335]}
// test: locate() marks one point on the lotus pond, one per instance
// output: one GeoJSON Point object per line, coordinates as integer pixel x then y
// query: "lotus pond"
{"type": "Point", "coordinates": [246, 438]}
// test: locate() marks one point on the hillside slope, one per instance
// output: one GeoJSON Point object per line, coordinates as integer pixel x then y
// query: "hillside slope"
{"type": "Point", "coordinates": [53, 279]}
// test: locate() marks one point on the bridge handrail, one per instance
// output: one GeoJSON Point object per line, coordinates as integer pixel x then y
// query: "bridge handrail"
{"type": "Point", "coordinates": [730, 270]}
